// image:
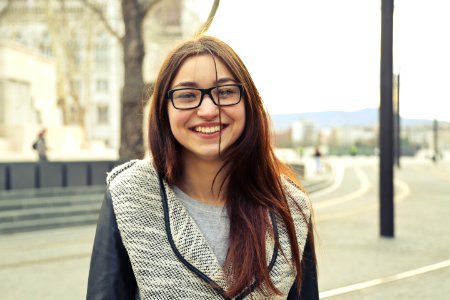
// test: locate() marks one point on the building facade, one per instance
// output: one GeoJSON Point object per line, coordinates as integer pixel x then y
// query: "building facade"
{"type": "Point", "coordinates": [88, 61]}
{"type": "Point", "coordinates": [27, 101]}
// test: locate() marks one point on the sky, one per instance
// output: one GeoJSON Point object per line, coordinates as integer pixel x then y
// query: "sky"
{"type": "Point", "coordinates": [324, 55]}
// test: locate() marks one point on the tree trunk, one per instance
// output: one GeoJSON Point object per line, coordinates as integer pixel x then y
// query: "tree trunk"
{"type": "Point", "coordinates": [131, 141]}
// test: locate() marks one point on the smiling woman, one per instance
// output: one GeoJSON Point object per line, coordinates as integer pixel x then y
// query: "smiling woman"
{"type": "Point", "coordinates": [213, 214]}
{"type": "Point", "coordinates": [199, 131]}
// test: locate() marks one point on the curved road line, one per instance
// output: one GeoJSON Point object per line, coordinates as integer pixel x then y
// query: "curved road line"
{"type": "Point", "coordinates": [364, 186]}
{"type": "Point", "coordinates": [339, 178]}
{"type": "Point", "coordinates": [383, 280]}
{"type": "Point", "coordinates": [403, 192]}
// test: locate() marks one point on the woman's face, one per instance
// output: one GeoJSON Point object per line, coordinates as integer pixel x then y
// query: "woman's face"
{"type": "Point", "coordinates": [199, 130]}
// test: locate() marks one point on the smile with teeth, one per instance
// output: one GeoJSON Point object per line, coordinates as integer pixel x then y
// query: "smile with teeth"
{"type": "Point", "coordinates": [209, 129]}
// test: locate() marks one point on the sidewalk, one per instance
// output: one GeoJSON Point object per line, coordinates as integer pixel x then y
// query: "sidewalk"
{"type": "Point", "coordinates": [414, 264]}
{"type": "Point", "coordinates": [315, 180]}
{"type": "Point", "coordinates": [45, 265]}
{"type": "Point", "coordinates": [53, 264]}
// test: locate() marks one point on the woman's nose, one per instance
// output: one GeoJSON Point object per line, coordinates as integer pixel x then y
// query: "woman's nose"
{"type": "Point", "coordinates": [207, 109]}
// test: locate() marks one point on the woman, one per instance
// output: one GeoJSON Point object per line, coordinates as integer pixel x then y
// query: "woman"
{"type": "Point", "coordinates": [213, 214]}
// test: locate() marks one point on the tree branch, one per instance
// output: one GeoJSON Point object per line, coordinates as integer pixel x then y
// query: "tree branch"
{"type": "Point", "coordinates": [210, 18]}
{"type": "Point", "coordinates": [5, 9]}
{"type": "Point", "coordinates": [147, 6]}
{"type": "Point", "coordinates": [97, 11]}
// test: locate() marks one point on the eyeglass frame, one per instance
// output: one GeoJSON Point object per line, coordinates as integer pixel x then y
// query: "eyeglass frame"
{"type": "Point", "coordinates": [206, 92]}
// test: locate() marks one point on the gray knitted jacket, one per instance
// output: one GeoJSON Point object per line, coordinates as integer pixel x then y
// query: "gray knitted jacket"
{"type": "Point", "coordinates": [168, 255]}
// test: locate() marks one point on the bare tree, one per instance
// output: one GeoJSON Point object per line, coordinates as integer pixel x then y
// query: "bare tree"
{"type": "Point", "coordinates": [64, 49]}
{"type": "Point", "coordinates": [131, 140]}
{"type": "Point", "coordinates": [5, 9]}
{"type": "Point", "coordinates": [134, 13]}
{"type": "Point", "coordinates": [204, 28]}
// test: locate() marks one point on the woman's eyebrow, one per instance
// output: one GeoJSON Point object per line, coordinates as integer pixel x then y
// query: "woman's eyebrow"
{"type": "Point", "coordinates": [225, 80]}
{"type": "Point", "coordinates": [185, 84]}
{"type": "Point", "coordinates": [195, 85]}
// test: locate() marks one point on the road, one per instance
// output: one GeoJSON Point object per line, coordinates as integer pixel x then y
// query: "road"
{"type": "Point", "coordinates": [354, 261]}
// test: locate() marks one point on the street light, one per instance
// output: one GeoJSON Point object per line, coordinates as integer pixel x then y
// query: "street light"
{"type": "Point", "coordinates": [386, 141]}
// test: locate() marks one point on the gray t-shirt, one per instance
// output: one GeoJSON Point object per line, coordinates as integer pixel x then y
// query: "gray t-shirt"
{"type": "Point", "coordinates": [212, 221]}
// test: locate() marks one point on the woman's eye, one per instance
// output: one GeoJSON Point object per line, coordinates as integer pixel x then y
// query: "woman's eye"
{"type": "Point", "coordinates": [227, 92]}
{"type": "Point", "coordinates": [185, 96]}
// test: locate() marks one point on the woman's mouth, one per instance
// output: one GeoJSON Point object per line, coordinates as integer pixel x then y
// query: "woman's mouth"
{"type": "Point", "coordinates": [209, 129]}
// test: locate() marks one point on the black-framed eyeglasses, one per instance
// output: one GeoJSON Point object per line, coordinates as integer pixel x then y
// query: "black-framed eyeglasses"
{"type": "Point", "coordinates": [190, 98]}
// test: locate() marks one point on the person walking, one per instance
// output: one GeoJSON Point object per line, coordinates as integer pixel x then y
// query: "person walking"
{"type": "Point", "coordinates": [40, 145]}
{"type": "Point", "coordinates": [213, 214]}
{"type": "Point", "coordinates": [318, 157]}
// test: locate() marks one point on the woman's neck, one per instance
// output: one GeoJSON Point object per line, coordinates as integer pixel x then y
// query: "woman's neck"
{"type": "Point", "coordinates": [198, 178]}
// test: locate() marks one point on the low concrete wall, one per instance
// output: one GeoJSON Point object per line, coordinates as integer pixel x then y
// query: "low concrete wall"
{"type": "Point", "coordinates": [15, 176]}
{"type": "Point", "coordinates": [30, 175]}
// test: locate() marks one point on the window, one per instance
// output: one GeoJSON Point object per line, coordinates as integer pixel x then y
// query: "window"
{"type": "Point", "coordinates": [45, 44]}
{"type": "Point", "coordinates": [76, 86]}
{"type": "Point", "coordinates": [101, 54]}
{"type": "Point", "coordinates": [101, 85]}
{"type": "Point", "coordinates": [73, 115]}
{"type": "Point", "coordinates": [102, 114]}
{"type": "Point", "coordinates": [75, 48]}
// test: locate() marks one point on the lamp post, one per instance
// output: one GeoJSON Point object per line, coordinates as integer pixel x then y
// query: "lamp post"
{"type": "Point", "coordinates": [386, 140]}
{"type": "Point", "coordinates": [397, 123]}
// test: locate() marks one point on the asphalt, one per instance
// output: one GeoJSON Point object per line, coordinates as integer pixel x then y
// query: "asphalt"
{"type": "Point", "coordinates": [354, 261]}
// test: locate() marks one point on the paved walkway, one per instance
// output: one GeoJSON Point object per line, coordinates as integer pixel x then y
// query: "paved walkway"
{"type": "Point", "coordinates": [356, 263]}
{"type": "Point", "coordinates": [43, 265]}
{"type": "Point", "coordinates": [53, 264]}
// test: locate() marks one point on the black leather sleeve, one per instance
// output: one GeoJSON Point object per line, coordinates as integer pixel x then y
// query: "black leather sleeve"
{"type": "Point", "coordinates": [110, 274]}
{"type": "Point", "coordinates": [310, 288]}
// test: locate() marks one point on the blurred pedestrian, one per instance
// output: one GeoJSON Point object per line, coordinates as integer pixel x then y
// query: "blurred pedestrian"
{"type": "Point", "coordinates": [318, 156]}
{"type": "Point", "coordinates": [213, 214]}
{"type": "Point", "coordinates": [40, 145]}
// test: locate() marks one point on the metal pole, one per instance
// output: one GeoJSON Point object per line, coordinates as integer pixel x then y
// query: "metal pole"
{"type": "Point", "coordinates": [386, 141]}
{"type": "Point", "coordinates": [435, 141]}
{"type": "Point", "coordinates": [398, 133]}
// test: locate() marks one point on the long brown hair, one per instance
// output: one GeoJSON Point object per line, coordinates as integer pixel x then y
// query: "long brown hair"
{"type": "Point", "coordinates": [252, 169]}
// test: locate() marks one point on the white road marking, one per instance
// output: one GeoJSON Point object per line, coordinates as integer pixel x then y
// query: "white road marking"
{"type": "Point", "coordinates": [403, 192]}
{"type": "Point", "coordinates": [338, 169]}
{"type": "Point", "coordinates": [364, 186]}
{"type": "Point", "coordinates": [384, 280]}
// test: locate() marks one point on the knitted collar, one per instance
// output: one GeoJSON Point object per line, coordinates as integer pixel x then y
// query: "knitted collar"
{"type": "Point", "coordinates": [181, 248]}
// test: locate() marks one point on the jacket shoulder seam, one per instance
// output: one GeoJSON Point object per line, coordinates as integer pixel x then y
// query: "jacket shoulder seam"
{"type": "Point", "coordinates": [119, 169]}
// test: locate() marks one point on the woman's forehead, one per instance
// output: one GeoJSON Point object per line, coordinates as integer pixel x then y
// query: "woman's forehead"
{"type": "Point", "coordinates": [202, 68]}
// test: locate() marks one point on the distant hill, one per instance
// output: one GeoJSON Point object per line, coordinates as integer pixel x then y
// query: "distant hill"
{"type": "Point", "coordinates": [326, 119]}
